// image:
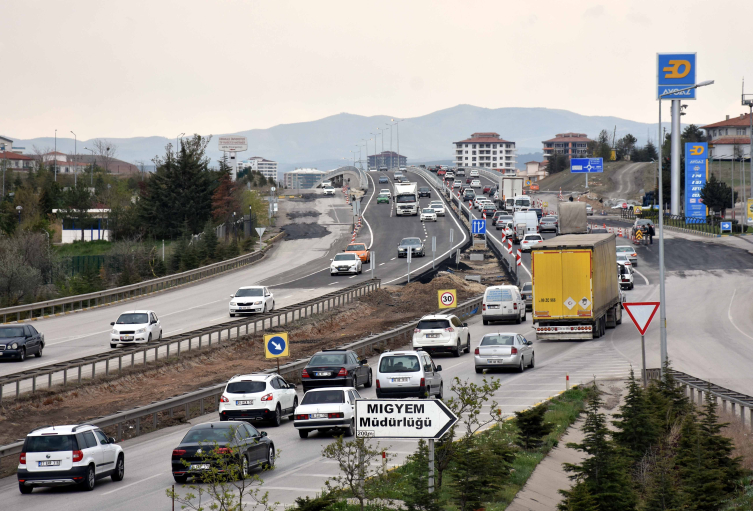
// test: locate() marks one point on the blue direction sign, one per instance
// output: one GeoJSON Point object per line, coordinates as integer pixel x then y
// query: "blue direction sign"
{"type": "Point", "coordinates": [586, 165]}
{"type": "Point", "coordinates": [675, 71]}
{"type": "Point", "coordinates": [696, 169]}
{"type": "Point", "coordinates": [726, 226]}
{"type": "Point", "coordinates": [478, 226]}
{"type": "Point", "coordinates": [276, 345]}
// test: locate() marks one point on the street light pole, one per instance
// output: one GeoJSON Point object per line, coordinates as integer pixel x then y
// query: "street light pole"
{"type": "Point", "coordinates": [55, 156]}
{"type": "Point", "coordinates": [397, 127]}
{"type": "Point", "coordinates": [75, 158]}
{"type": "Point", "coordinates": [390, 125]}
{"type": "Point", "coordinates": [94, 162]}
{"type": "Point", "coordinates": [376, 160]}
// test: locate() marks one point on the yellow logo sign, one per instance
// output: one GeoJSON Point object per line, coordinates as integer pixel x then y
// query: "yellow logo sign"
{"type": "Point", "coordinates": [673, 69]}
{"type": "Point", "coordinates": [696, 150]}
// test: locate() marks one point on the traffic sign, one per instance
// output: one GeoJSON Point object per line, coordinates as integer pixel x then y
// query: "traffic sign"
{"type": "Point", "coordinates": [260, 231]}
{"type": "Point", "coordinates": [696, 172]}
{"type": "Point", "coordinates": [675, 71]}
{"type": "Point", "coordinates": [641, 313]}
{"type": "Point", "coordinates": [403, 418]}
{"type": "Point", "coordinates": [637, 210]}
{"type": "Point", "coordinates": [448, 298]}
{"type": "Point", "coordinates": [276, 345]}
{"type": "Point", "coordinates": [546, 204]}
{"type": "Point", "coordinates": [726, 226]}
{"type": "Point", "coordinates": [478, 226]}
{"type": "Point", "coordinates": [586, 165]}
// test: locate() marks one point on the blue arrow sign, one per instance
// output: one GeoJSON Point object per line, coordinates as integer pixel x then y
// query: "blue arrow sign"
{"type": "Point", "coordinates": [727, 226]}
{"type": "Point", "coordinates": [276, 345]}
{"type": "Point", "coordinates": [586, 165]}
{"type": "Point", "coordinates": [478, 226]}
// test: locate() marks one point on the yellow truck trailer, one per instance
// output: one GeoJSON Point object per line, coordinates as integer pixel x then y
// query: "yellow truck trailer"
{"type": "Point", "coordinates": [576, 293]}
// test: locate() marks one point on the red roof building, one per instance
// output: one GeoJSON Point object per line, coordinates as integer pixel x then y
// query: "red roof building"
{"type": "Point", "coordinates": [572, 145]}
{"type": "Point", "coordinates": [11, 160]}
{"type": "Point", "coordinates": [485, 149]}
{"type": "Point", "coordinates": [729, 138]}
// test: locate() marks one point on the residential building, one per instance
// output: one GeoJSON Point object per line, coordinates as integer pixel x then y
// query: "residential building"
{"type": "Point", "coordinates": [729, 138]}
{"type": "Point", "coordinates": [13, 157]}
{"type": "Point", "coordinates": [572, 145]}
{"type": "Point", "coordinates": [267, 168]}
{"type": "Point", "coordinates": [485, 149]}
{"type": "Point", "coordinates": [65, 163]}
{"type": "Point", "coordinates": [302, 178]}
{"type": "Point", "coordinates": [534, 171]}
{"type": "Point", "coordinates": [387, 159]}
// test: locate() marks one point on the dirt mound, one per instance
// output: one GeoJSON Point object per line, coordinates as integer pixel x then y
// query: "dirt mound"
{"type": "Point", "coordinates": [304, 231]}
{"type": "Point", "coordinates": [418, 298]}
{"type": "Point", "coordinates": [300, 214]}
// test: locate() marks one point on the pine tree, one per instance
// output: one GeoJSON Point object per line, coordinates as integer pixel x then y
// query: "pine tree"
{"type": "Point", "coordinates": [416, 496]}
{"type": "Point", "coordinates": [578, 498]}
{"type": "Point", "coordinates": [532, 427]}
{"type": "Point", "coordinates": [700, 480]}
{"type": "Point", "coordinates": [662, 493]}
{"type": "Point", "coordinates": [667, 400]}
{"type": "Point", "coordinates": [636, 429]}
{"type": "Point", "coordinates": [718, 447]}
{"type": "Point", "coordinates": [209, 241]}
{"type": "Point", "coordinates": [471, 484]}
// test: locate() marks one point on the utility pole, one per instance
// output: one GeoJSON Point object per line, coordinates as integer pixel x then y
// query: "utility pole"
{"type": "Point", "coordinates": [75, 159]}
{"type": "Point", "coordinates": [390, 125]}
{"type": "Point", "coordinates": [55, 156]}
{"type": "Point", "coordinates": [676, 156]}
{"type": "Point", "coordinates": [748, 102]}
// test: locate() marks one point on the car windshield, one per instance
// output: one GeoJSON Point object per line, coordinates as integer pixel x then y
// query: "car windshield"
{"type": "Point", "coordinates": [355, 248]}
{"type": "Point", "coordinates": [215, 434]}
{"type": "Point", "coordinates": [246, 387]}
{"type": "Point", "coordinates": [498, 340]}
{"type": "Point", "coordinates": [323, 397]}
{"type": "Point", "coordinates": [257, 291]}
{"type": "Point", "coordinates": [625, 249]}
{"type": "Point", "coordinates": [532, 237]}
{"type": "Point", "coordinates": [337, 359]}
{"type": "Point", "coordinates": [50, 443]}
{"type": "Point", "coordinates": [406, 198]}
{"type": "Point", "coordinates": [413, 242]}
{"type": "Point", "coordinates": [14, 331]}
{"type": "Point", "coordinates": [345, 257]}
{"type": "Point", "coordinates": [423, 189]}
{"type": "Point", "coordinates": [399, 364]}
{"type": "Point", "coordinates": [133, 318]}
{"type": "Point", "coordinates": [384, 192]}
{"type": "Point", "coordinates": [522, 202]}
{"type": "Point", "coordinates": [427, 210]}
{"type": "Point", "coordinates": [429, 324]}
{"type": "Point", "coordinates": [527, 287]}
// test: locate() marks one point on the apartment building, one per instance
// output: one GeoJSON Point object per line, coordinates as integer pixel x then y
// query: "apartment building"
{"type": "Point", "coordinates": [572, 145]}
{"type": "Point", "coordinates": [387, 159]}
{"type": "Point", "coordinates": [267, 168]}
{"type": "Point", "coordinates": [485, 149]}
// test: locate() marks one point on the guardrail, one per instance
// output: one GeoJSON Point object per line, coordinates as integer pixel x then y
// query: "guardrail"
{"type": "Point", "coordinates": [133, 291]}
{"type": "Point", "coordinates": [100, 364]}
{"type": "Point", "coordinates": [363, 180]}
{"type": "Point", "coordinates": [197, 399]}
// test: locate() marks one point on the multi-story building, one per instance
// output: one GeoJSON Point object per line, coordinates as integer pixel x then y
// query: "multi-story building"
{"type": "Point", "coordinates": [572, 145]}
{"type": "Point", "coordinates": [485, 149]}
{"type": "Point", "coordinates": [729, 138]}
{"type": "Point", "coordinates": [387, 159]}
{"type": "Point", "coordinates": [302, 178]}
{"type": "Point", "coordinates": [267, 168]}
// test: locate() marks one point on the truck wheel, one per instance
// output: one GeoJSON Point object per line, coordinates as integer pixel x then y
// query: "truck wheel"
{"type": "Point", "coordinates": [517, 320]}
{"type": "Point", "coordinates": [486, 321]}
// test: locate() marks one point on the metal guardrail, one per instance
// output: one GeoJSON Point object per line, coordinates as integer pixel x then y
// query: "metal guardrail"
{"type": "Point", "coordinates": [100, 364]}
{"type": "Point", "coordinates": [133, 291]}
{"type": "Point", "coordinates": [363, 180]}
{"type": "Point", "coordinates": [290, 371]}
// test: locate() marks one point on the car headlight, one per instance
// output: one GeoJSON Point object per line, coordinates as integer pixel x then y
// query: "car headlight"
{"type": "Point", "coordinates": [141, 330]}
{"type": "Point", "coordinates": [257, 303]}
{"type": "Point", "coordinates": [233, 304]}
{"type": "Point", "coordinates": [14, 346]}
{"type": "Point", "coordinates": [115, 332]}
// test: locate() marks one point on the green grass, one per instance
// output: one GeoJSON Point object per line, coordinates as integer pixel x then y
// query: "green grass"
{"type": "Point", "coordinates": [82, 248]}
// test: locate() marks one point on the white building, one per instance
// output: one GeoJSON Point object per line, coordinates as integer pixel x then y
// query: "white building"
{"type": "Point", "coordinates": [485, 149]}
{"type": "Point", "coordinates": [730, 138]}
{"type": "Point", "coordinates": [267, 168]}
{"type": "Point", "coordinates": [302, 178]}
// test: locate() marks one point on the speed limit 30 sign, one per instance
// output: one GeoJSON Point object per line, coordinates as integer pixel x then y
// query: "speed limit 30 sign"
{"type": "Point", "coordinates": [448, 298]}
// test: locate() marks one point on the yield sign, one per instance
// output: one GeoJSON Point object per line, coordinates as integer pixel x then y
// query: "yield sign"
{"type": "Point", "coordinates": [641, 313]}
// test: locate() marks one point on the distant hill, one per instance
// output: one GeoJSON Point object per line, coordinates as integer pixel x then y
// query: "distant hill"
{"type": "Point", "coordinates": [326, 143]}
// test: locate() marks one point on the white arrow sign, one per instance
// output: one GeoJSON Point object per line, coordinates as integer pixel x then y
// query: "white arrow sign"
{"type": "Point", "coordinates": [403, 418]}
{"type": "Point", "coordinates": [276, 346]}
{"type": "Point", "coordinates": [641, 313]}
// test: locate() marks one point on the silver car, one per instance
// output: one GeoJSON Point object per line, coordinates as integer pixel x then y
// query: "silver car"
{"type": "Point", "coordinates": [408, 374]}
{"type": "Point", "coordinates": [526, 292]}
{"type": "Point", "coordinates": [504, 349]}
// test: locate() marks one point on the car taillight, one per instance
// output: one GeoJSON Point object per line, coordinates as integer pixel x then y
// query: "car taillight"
{"type": "Point", "coordinates": [179, 452]}
{"type": "Point", "coordinates": [513, 351]}
{"type": "Point", "coordinates": [22, 459]}
{"type": "Point", "coordinates": [224, 399]}
{"type": "Point", "coordinates": [342, 372]}
{"type": "Point", "coordinates": [222, 450]}
{"type": "Point", "coordinates": [302, 417]}
{"type": "Point", "coordinates": [379, 385]}
{"type": "Point", "coordinates": [338, 415]}
{"type": "Point", "coordinates": [77, 456]}
{"type": "Point", "coordinates": [449, 329]}
{"type": "Point", "coordinates": [416, 330]}
{"type": "Point", "coordinates": [483, 306]}
{"type": "Point", "coordinates": [475, 352]}
{"type": "Point", "coordinates": [305, 374]}
{"type": "Point", "coordinates": [423, 382]}
{"type": "Point", "coordinates": [267, 397]}
{"type": "Point", "coordinates": [515, 306]}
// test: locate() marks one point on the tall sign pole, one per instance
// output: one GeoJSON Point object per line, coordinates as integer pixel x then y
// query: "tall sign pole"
{"type": "Point", "coordinates": [233, 145]}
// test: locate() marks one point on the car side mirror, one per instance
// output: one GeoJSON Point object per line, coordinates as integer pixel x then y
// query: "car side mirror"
{"type": "Point", "coordinates": [291, 386]}
{"type": "Point", "coordinates": [263, 433]}
{"type": "Point", "coordinates": [465, 325]}
{"type": "Point", "coordinates": [111, 440]}
{"type": "Point", "coordinates": [439, 368]}
{"type": "Point", "coordinates": [112, 323]}
{"type": "Point", "coordinates": [232, 296]}
{"type": "Point", "coordinates": [529, 343]}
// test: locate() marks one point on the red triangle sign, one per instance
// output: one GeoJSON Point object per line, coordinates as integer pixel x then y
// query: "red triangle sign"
{"type": "Point", "coordinates": [641, 313]}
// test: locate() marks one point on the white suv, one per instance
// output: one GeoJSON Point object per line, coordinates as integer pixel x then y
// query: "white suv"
{"type": "Point", "coordinates": [258, 397]}
{"type": "Point", "coordinates": [408, 374]}
{"type": "Point", "coordinates": [68, 455]}
{"type": "Point", "coordinates": [442, 332]}
{"type": "Point", "coordinates": [328, 190]}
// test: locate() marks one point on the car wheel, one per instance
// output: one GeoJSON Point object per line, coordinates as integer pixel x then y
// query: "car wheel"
{"type": "Point", "coordinates": [244, 467]}
{"type": "Point", "coordinates": [149, 339]}
{"type": "Point", "coordinates": [517, 320]}
{"type": "Point", "coordinates": [270, 458]}
{"type": "Point", "coordinates": [532, 364]}
{"type": "Point", "coordinates": [521, 368]}
{"type": "Point", "coordinates": [180, 479]}
{"type": "Point", "coordinates": [160, 335]}
{"type": "Point", "coordinates": [273, 306]}
{"type": "Point", "coordinates": [223, 418]}
{"type": "Point", "coordinates": [22, 356]}
{"type": "Point", "coordinates": [351, 429]}
{"type": "Point", "coordinates": [264, 309]}
{"type": "Point", "coordinates": [277, 420]}
{"type": "Point", "coordinates": [479, 370]}
{"type": "Point", "coordinates": [25, 489]}
{"type": "Point", "coordinates": [524, 315]}
{"type": "Point", "coordinates": [369, 381]}
{"type": "Point", "coordinates": [39, 351]}
{"type": "Point", "coordinates": [113, 345]}
{"type": "Point", "coordinates": [632, 286]}
{"type": "Point", "coordinates": [468, 345]}
{"type": "Point", "coordinates": [119, 469]}
{"type": "Point", "coordinates": [303, 433]}
{"type": "Point", "coordinates": [90, 480]}
{"type": "Point", "coordinates": [441, 392]}
{"type": "Point", "coordinates": [456, 351]}
{"type": "Point", "coordinates": [486, 321]}
{"type": "Point", "coordinates": [295, 405]}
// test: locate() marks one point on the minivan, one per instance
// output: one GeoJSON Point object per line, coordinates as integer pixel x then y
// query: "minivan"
{"type": "Point", "coordinates": [408, 374]}
{"type": "Point", "coordinates": [527, 218]}
{"type": "Point", "coordinates": [503, 303]}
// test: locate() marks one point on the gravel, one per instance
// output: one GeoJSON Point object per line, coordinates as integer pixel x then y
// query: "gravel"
{"type": "Point", "coordinates": [304, 231]}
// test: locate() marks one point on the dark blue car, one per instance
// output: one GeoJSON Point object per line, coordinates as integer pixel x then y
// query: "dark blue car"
{"type": "Point", "coordinates": [20, 341]}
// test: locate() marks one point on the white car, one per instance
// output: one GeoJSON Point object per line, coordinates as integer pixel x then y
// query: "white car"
{"type": "Point", "coordinates": [68, 455]}
{"type": "Point", "coordinates": [325, 409]}
{"type": "Point", "coordinates": [428, 215]}
{"type": "Point", "coordinates": [135, 327]}
{"type": "Point", "coordinates": [474, 173]}
{"type": "Point", "coordinates": [442, 332]}
{"type": "Point", "coordinates": [438, 207]}
{"type": "Point", "coordinates": [530, 240]}
{"type": "Point", "coordinates": [251, 299]}
{"type": "Point", "coordinates": [625, 276]}
{"type": "Point", "coordinates": [589, 209]}
{"type": "Point", "coordinates": [346, 263]}
{"type": "Point", "coordinates": [630, 252]}
{"type": "Point", "coordinates": [457, 184]}
{"type": "Point", "coordinates": [328, 190]}
{"type": "Point", "coordinates": [624, 259]}
{"type": "Point", "coordinates": [258, 397]}
{"type": "Point", "coordinates": [449, 175]}
{"type": "Point", "coordinates": [476, 183]}
{"type": "Point", "coordinates": [385, 192]}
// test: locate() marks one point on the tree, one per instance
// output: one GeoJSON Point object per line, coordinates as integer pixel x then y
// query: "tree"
{"type": "Point", "coordinates": [224, 198]}
{"type": "Point", "coordinates": [578, 498]}
{"type": "Point", "coordinates": [106, 152]}
{"type": "Point", "coordinates": [636, 430]}
{"type": "Point", "coordinates": [471, 485]}
{"type": "Point", "coordinates": [557, 163]}
{"type": "Point", "coordinates": [416, 496]}
{"type": "Point", "coordinates": [718, 446]}
{"type": "Point", "coordinates": [701, 482]}
{"type": "Point", "coordinates": [625, 146]}
{"type": "Point", "coordinates": [717, 195]}
{"type": "Point", "coordinates": [603, 148]}
{"type": "Point", "coordinates": [532, 427]}
{"type": "Point", "coordinates": [355, 459]}
{"type": "Point", "coordinates": [693, 133]}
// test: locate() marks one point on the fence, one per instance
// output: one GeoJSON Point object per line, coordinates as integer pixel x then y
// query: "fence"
{"type": "Point", "coordinates": [118, 294]}
{"type": "Point", "coordinates": [100, 364]}
{"type": "Point", "coordinates": [708, 226]}
{"type": "Point", "coordinates": [291, 371]}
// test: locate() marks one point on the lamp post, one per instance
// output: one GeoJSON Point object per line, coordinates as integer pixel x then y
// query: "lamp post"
{"type": "Point", "coordinates": [376, 160]}
{"type": "Point", "coordinates": [748, 102]}
{"type": "Point", "coordinates": [75, 158]}
{"type": "Point", "coordinates": [662, 302]}
{"type": "Point", "coordinates": [397, 127]}
{"type": "Point", "coordinates": [94, 162]}
{"type": "Point", "coordinates": [390, 125]}
{"type": "Point", "coordinates": [55, 156]}
{"type": "Point", "coordinates": [366, 146]}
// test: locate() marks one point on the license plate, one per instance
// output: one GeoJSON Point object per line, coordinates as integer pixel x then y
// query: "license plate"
{"type": "Point", "coordinates": [246, 402]}
{"type": "Point", "coordinates": [202, 466]}
{"type": "Point", "coordinates": [432, 336]}
{"type": "Point", "coordinates": [492, 306]}
{"type": "Point", "coordinates": [400, 380]}
{"type": "Point", "coordinates": [126, 337]}
{"type": "Point", "coordinates": [52, 463]}
{"type": "Point", "coordinates": [317, 416]}
{"type": "Point", "coordinates": [323, 374]}
{"type": "Point", "coordinates": [494, 361]}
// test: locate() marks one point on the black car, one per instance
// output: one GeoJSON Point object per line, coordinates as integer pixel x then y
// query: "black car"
{"type": "Point", "coordinates": [20, 341]}
{"type": "Point", "coordinates": [469, 194]}
{"type": "Point", "coordinates": [489, 210]}
{"type": "Point", "coordinates": [232, 445]}
{"type": "Point", "coordinates": [384, 179]}
{"type": "Point", "coordinates": [415, 245]}
{"type": "Point", "coordinates": [336, 368]}
{"type": "Point", "coordinates": [424, 191]}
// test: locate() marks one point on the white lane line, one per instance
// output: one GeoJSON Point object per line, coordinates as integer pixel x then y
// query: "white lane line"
{"type": "Point", "coordinates": [300, 278]}
{"type": "Point", "coordinates": [127, 485]}
{"type": "Point", "coordinates": [190, 308]}
{"type": "Point", "coordinates": [642, 275]}
{"type": "Point", "coordinates": [333, 283]}
{"type": "Point", "coordinates": [382, 264]}
{"type": "Point", "coordinates": [354, 276]}
{"type": "Point", "coordinates": [363, 213]}
{"type": "Point", "coordinates": [393, 258]}
{"type": "Point", "coordinates": [77, 337]}
{"type": "Point", "coordinates": [729, 315]}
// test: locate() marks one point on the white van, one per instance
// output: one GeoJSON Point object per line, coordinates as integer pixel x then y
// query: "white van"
{"type": "Point", "coordinates": [503, 303]}
{"type": "Point", "coordinates": [408, 374]}
{"type": "Point", "coordinates": [522, 201]}
{"type": "Point", "coordinates": [527, 218]}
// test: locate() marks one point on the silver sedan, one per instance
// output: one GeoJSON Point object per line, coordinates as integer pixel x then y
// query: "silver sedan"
{"type": "Point", "coordinates": [505, 349]}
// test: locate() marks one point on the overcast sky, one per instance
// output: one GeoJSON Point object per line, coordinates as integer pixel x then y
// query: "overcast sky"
{"type": "Point", "coordinates": [161, 67]}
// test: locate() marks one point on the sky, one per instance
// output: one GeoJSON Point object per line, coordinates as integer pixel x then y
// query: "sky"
{"type": "Point", "coordinates": [161, 67]}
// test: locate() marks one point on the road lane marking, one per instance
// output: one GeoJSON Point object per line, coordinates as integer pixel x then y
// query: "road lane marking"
{"type": "Point", "coordinates": [729, 315]}
{"type": "Point", "coordinates": [333, 283]}
{"type": "Point", "coordinates": [127, 485]}
{"type": "Point", "coordinates": [393, 258]}
{"type": "Point", "coordinates": [382, 264]}
{"type": "Point", "coordinates": [642, 275]}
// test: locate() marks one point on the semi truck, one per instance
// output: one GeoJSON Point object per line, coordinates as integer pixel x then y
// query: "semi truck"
{"type": "Point", "coordinates": [572, 218]}
{"type": "Point", "coordinates": [509, 188]}
{"type": "Point", "coordinates": [576, 294]}
{"type": "Point", "coordinates": [406, 199]}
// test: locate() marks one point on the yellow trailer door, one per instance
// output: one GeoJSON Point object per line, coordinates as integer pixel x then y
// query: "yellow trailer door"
{"type": "Point", "coordinates": [547, 287]}
{"type": "Point", "coordinates": [577, 297]}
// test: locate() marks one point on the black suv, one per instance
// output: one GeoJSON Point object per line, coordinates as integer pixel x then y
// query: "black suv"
{"type": "Point", "coordinates": [424, 192]}
{"type": "Point", "coordinates": [20, 341]}
{"type": "Point", "coordinates": [336, 368]}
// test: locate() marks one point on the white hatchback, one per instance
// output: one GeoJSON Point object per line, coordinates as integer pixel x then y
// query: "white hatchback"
{"type": "Point", "coordinates": [529, 240]}
{"type": "Point", "coordinates": [476, 183]}
{"type": "Point", "coordinates": [442, 332]}
{"type": "Point", "coordinates": [326, 409]}
{"type": "Point", "coordinates": [328, 190]}
{"type": "Point", "coordinates": [250, 299]}
{"type": "Point", "coordinates": [474, 173]}
{"type": "Point", "coordinates": [258, 397]}
{"type": "Point", "coordinates": [428, 215]}
{"type": "Point", "coordinates": [135, 327]}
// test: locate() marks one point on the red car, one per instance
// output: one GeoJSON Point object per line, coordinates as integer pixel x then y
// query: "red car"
{"type": "Point", "coordinates": [468, 181]}
{"type": "Point", "coordinates": [441, 172]}
{"type": "Point", "coordinates": [487, 188]}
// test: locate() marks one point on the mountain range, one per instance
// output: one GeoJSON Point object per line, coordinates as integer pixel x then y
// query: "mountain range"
{"type": "Point", "coordinates": [327, 143]}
